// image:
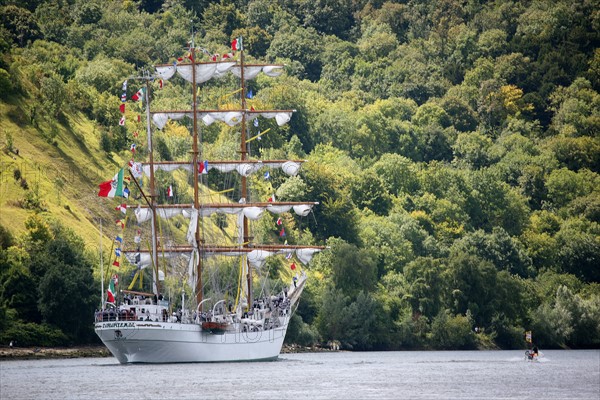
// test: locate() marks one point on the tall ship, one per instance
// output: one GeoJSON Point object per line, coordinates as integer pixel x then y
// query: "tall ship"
{"type": "Point", "coordinates": [227, 304]}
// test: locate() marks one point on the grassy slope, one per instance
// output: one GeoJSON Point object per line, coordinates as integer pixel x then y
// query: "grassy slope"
{"type": "Point", "coordinates": [65, 174]}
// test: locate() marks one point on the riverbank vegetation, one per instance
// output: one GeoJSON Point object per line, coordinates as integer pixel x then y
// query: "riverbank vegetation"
{"type": "Point", "coordinates": [453, 146]}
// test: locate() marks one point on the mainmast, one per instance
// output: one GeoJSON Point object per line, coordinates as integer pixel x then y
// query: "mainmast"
{"type": "Point", "coordinates": [195, 153]}
{"type": "Point", "coordinates": [244, 156]}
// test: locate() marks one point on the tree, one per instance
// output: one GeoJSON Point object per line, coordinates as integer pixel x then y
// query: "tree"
{"type": "Point", "coordinates": [222, 16]}
{"type": "Point", "coordinates": [424, 278]}
{"type": "Point", "coordinates": [579, 249]}
{"type": "Point", "coordinates": [301, 45]}
{"type": "Point", "coordinates": [53, 92]}
{"type": "Point", "coordinates": [473, 149]}
{"type": "Point", "coordinates": [452, 332]}
{"type": "Point", "coordinates": [21, 24]}
{"type": "Point", "coordinates": [332, 318]}
{"type": "Point", "coordinates": [398, 173]}
{"type": "Point", "coordinates": [334, 17]}
{"type": "Point", "coordinates": [5, 84]}
{"type": "Point", "coordinates": [368, 191]}
{"type": "Point", "coordinates": [565, 185]}
{"type": "Point", "coordinates": [576, 109]}
{"type": "Point", "coordinates": [18, 287]}
{"type": "Point", "coordinates": [325, 183]}
{"type": "Point", "coordinates": [104, 74]}
{"type": "Point", "coordinates": [6, 238]}
{"type": "Point", "coordinates": [384, 237]}
{"type": "Point", "coordinates": [353, 269]}
{"type": "Point", "coordinates": [66, 299]}
{"type": "Point", "coordinates": [460, 113]}
{"type": "Point", "coordinates": [351, 322]}
{"type": "Point", "coordinates": [492, 42]}
{"type": "Point", "coordinates": [471, 284]}
{"type": "Point", "coordinates": [494, 203]}
{"type": "Point", "coordinates": [576, 153]}
{"type": "Point", "coordinates": [505, 252]}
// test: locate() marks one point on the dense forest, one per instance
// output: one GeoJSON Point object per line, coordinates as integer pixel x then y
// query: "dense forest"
{"type": "Point", "coordinates": [453, 146]}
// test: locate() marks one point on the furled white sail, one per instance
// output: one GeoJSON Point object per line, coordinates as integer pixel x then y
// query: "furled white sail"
{"type": "Point", "coordinates": [204, 71]}
{"type": "Point", "coordinates": [230, 117]}
{"type": "Point", "coordinates": [144, 259]}
{"type": "Point", "coordinates": [281, 117]}
{"type": "Point", "coordinates": [167, 167]}
{"type": "Point", "coordinates": [144, 214]}
{"type": "Point", "coordinates": [208, 70]}
{"type": "Point", "coordinates": [291, 168]}
{"type": "Point", "coordinates": [253, 213]}
{"type": "Point", "coordinates": [257, 257]}
{"type": "Point", "coordinates": [160, 119]}
{"type": "Point", "coordinates": [252, 71]}
{"type": "Point", "coordinates": [245, 168]}
{"type": "Point", "coordinates": [191, 232]}
{"type": "Point", "coordinates": [305, 255]}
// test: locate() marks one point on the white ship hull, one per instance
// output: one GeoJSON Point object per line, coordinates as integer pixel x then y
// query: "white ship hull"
{"type": "Point", "coordinates": [167, 342]}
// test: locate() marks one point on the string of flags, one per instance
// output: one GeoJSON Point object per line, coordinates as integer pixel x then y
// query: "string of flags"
{"type": "Point", "coordinates": [236, 45]}
{"type": "Point", "coordinates": [118, 185]}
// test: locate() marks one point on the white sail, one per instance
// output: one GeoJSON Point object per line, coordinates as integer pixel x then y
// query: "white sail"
{"type": "Point", "coordinates": [208, 70]}
{"type": "Point", "coordinates": [143, 259]}
{"type": "Point", "coordinates": [258, 256]}
{"type": "Point", "coordinates": [252, 71]}
{"type": "Point", "coordinates": [204, 71]}
{"type": "Point", "coordinates": [144, 214]}
{"type": "Point", "coordinates": [252, 211]}
{"type": "Point", "coordinates": [244, 168]}
{"type": "Point", "coordinates": [230, 117]}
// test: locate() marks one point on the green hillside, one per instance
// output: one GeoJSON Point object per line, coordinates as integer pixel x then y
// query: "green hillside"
{"type": "Point", "coordinates": [62, 173]}
{"type": "Point", "coordinates": [453, 146]}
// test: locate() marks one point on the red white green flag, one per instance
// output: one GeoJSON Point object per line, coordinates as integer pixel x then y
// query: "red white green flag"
{"type": "Point", "coordinates": [110, 293]}
{"type": "Point", "coordinates": [114, 187]}
{"type": "Point", "coordinates": [139, 95]}
{"type": "Point", "coordinates": [236, 44]}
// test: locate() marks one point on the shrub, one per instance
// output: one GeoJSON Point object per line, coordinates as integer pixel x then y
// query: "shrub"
{"type": "Point", "coordinates": [31, 334]}
{"type": "Point", "coordinates": [299, 332]}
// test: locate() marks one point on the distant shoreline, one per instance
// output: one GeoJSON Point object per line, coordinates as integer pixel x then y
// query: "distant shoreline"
{"type": "Point", "coordinates": [34, 353]}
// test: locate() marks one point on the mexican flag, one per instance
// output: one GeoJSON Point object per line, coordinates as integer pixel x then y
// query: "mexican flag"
{"type": "Point", "coordinates": [110, 293]}
{"type": "Point", "coordinates": [113, 187]}
{"type": "Point", "coordinates": [236, 44]}
{"type": "Point", "coordinates": [139, 95]}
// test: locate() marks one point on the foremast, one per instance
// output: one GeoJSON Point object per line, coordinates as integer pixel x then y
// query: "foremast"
{"type": "Point", "coordinates": [150, 199]}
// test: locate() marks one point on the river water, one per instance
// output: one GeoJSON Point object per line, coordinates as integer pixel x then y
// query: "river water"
{"type": "Point", "coordinates": [559, 374]}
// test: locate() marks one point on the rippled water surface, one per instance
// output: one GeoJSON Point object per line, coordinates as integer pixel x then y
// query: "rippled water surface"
{"type": "Point", "coordinates": [559, 374]}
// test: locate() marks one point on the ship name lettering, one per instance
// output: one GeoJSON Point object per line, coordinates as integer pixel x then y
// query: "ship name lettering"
{"type": "Point", "coordinates": [119, 325]}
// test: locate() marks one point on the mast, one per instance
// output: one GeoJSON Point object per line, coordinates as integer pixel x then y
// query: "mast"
{"type": "Point", "coordinates": [101, 270]}
{"type": "Point", "coordinates": [244, 156]}
{"type": "Point", "coordinates": [155, 274]}
{"type": "Point", "coordinates": [195, 138]}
